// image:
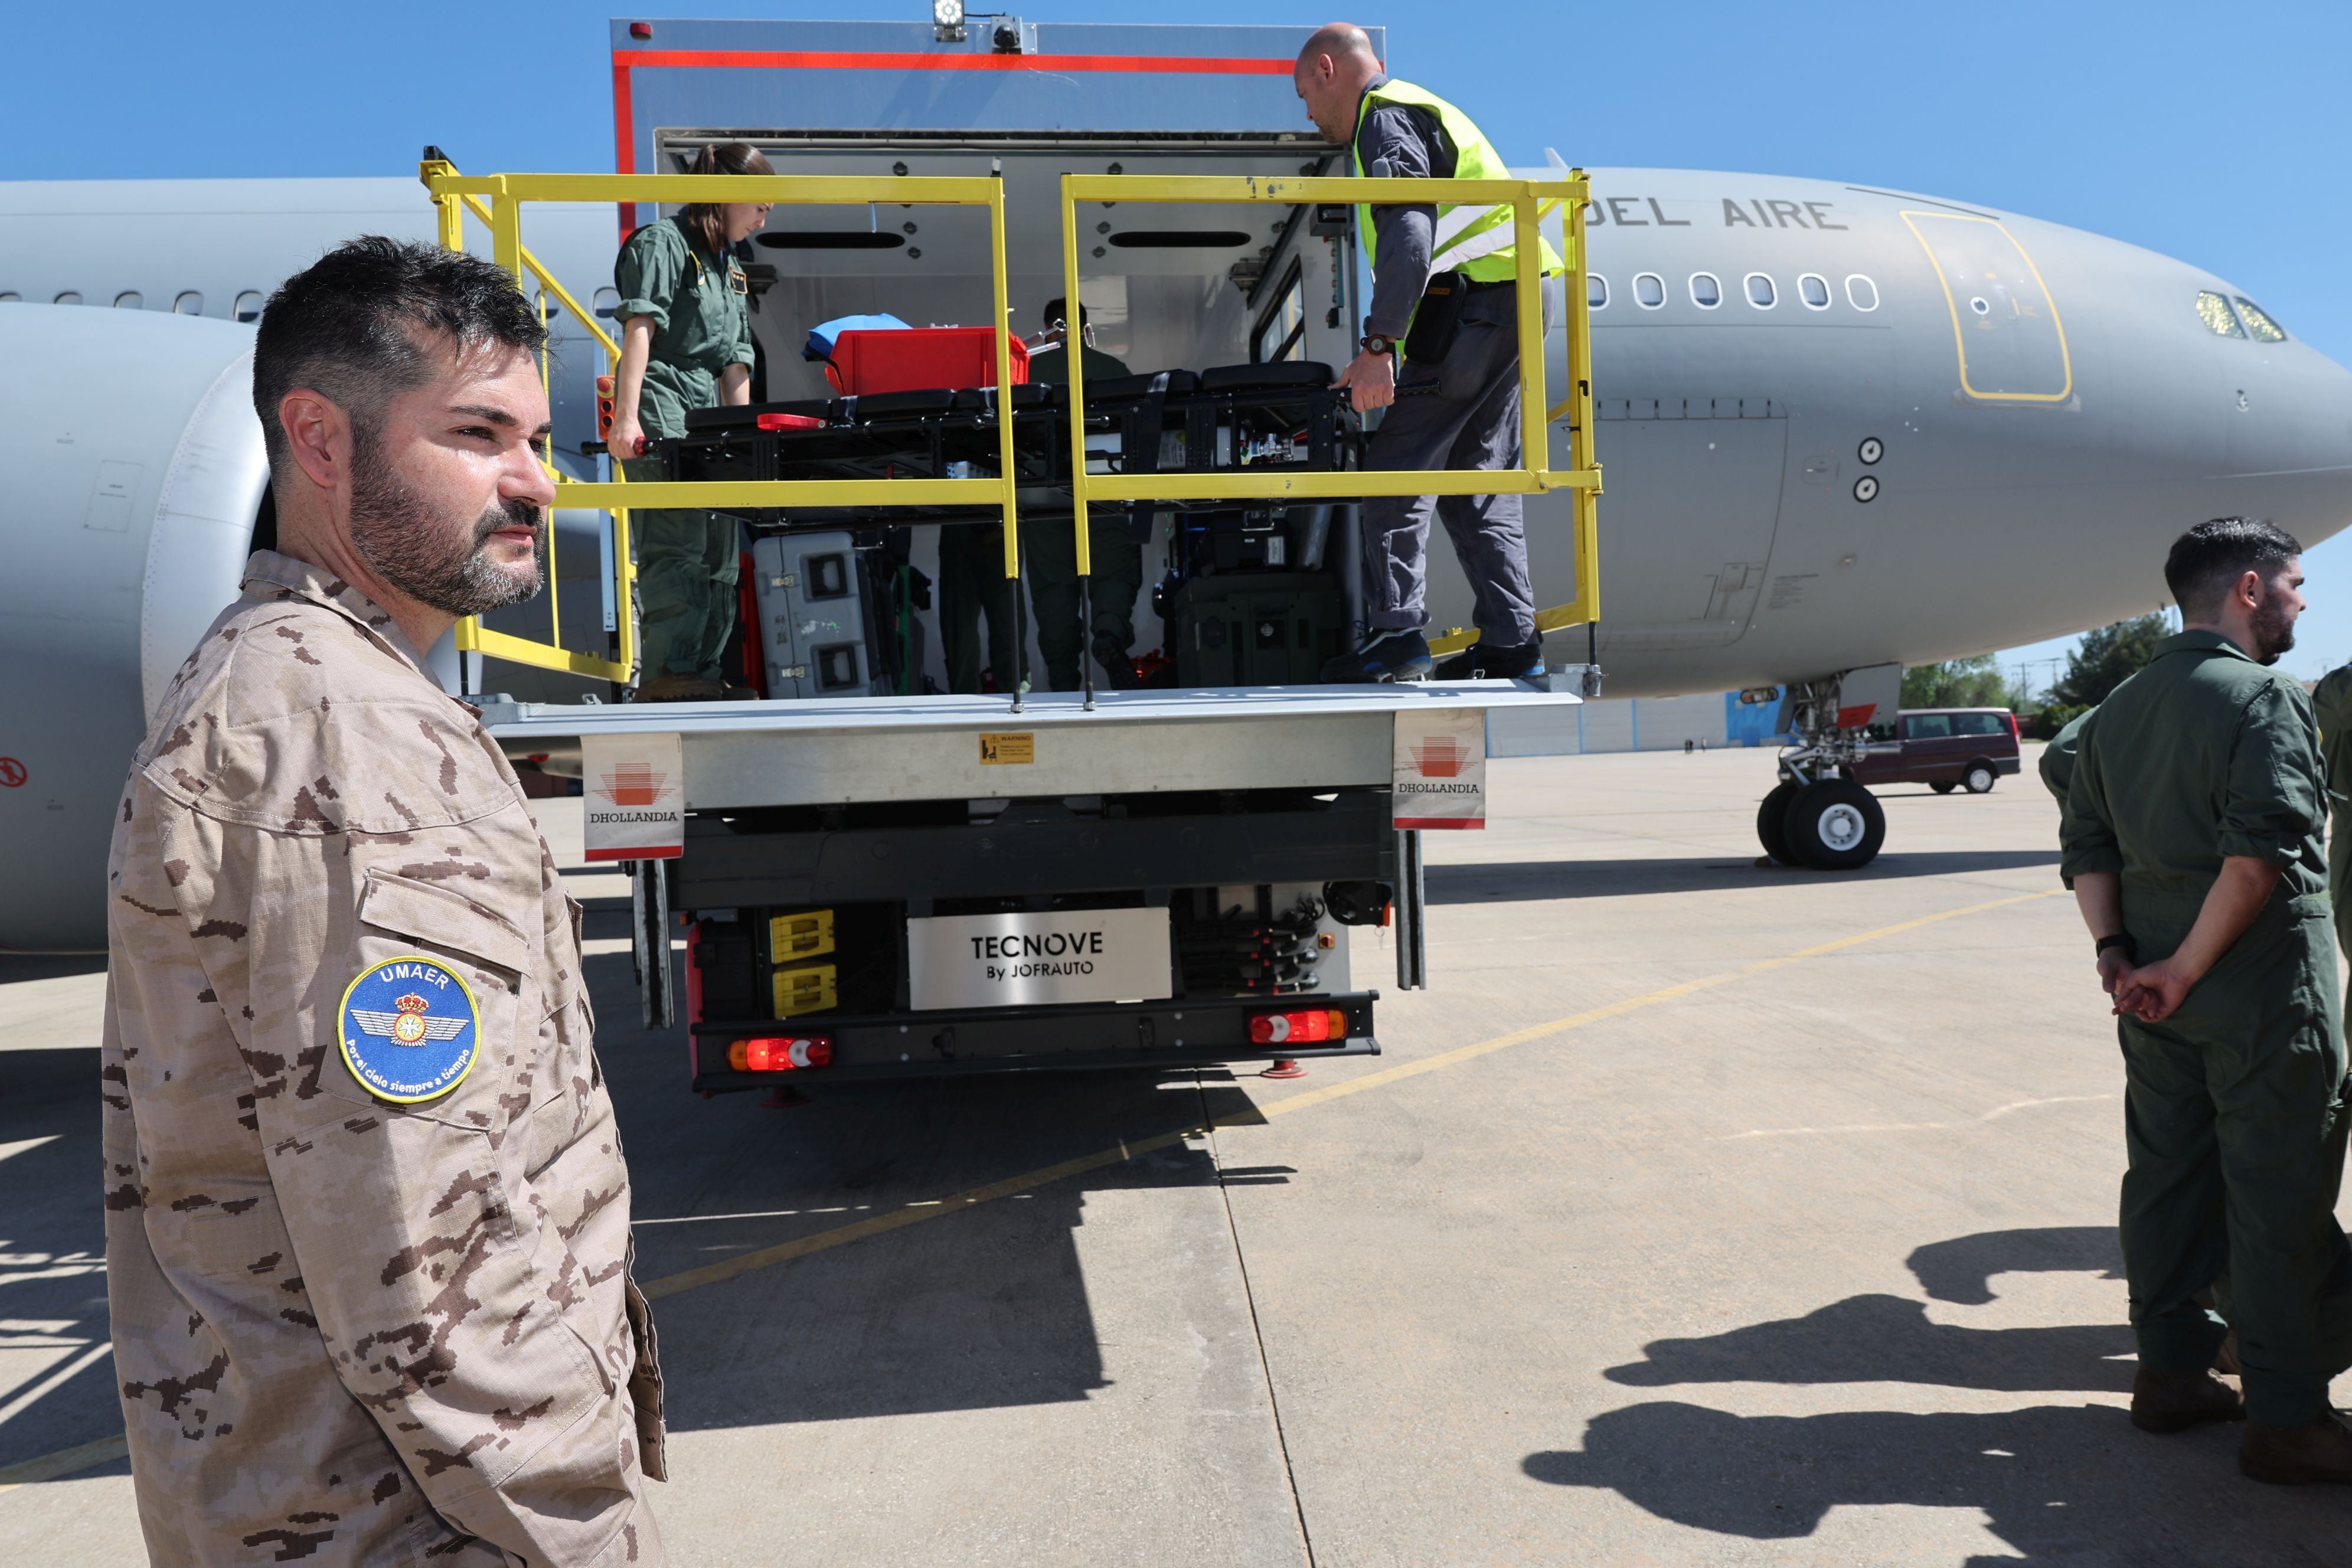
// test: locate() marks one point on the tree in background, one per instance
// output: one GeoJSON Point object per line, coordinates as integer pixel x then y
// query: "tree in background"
{"type": "Point", "coordinates": [2108, 657]}
{"type": "Point", "coordinates": [1957, 683]}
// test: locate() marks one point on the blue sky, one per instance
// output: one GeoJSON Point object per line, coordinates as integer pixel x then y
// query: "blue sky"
{"type": "Point", "coordinates": [2216, 134]}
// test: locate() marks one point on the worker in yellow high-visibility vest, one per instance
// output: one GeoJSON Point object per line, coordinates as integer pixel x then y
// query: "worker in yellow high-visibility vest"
{"type": "Point", "coordinates": [1444, 302]}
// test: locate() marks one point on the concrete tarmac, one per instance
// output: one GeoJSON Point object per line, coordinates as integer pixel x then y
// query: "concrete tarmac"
{"type": "Point", "coordinates": [1698, 1214]}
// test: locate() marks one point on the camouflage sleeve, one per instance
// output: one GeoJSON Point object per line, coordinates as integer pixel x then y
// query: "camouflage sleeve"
{"type": "Point", "coordinates": [450, 1300]}
{"type": "Point", "coordinates": [2276, 802]}
{"type": "Point", "coordinates": [2087, 834]}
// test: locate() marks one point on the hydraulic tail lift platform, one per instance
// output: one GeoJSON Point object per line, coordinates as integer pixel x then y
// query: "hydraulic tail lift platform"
{"type": "Point", "coordinates": [900, 883]}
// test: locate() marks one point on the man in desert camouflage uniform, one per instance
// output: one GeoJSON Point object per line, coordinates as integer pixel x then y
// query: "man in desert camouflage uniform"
{"type": "Point", "coordinates": [367, 1218]}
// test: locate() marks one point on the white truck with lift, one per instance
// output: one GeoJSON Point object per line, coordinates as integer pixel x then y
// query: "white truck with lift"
{"type": "Point", "coordinates": [874, 880]}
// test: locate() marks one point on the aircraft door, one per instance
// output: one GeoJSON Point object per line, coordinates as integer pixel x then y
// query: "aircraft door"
{"type": "Point", "coordinates": [2010, 341]}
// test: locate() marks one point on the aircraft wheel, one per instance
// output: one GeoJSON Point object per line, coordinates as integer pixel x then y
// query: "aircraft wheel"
{"type": "Point", "coordinates": [1834, 825]}
{"type": "Point", "coordinates": [1979, 778]}
{"type": "Point", "coordinates": [1772, 822]}
{"type": "Point", "coordinates": [1943, 786]}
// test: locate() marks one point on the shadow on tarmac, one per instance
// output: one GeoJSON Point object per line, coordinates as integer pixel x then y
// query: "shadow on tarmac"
{"type": "Point", "coordinates": [53, 1247]}
{"type": "Point", "coordinates": [1885, 1338]}
{"type": "Point", "coordinates": [987, 1308]}
{"type": "Point", "coordinates": [2057, 1482]}
{"type": "Point", "coordinates": [1532, 881]}
{"type": "Point", "coordinates": [1961, 1269]}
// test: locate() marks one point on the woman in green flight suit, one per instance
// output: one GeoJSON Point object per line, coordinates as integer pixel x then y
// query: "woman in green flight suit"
{"type": "Point", "coordinates": [685, 342]}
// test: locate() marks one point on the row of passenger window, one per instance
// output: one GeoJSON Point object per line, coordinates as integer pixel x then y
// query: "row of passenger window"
{"type": "Point", "coordinates": [1763, 294]}
{"type": "Point", "coordinates": [2222, 323]}
{"type": "Point", "coordinates": [187, 303]}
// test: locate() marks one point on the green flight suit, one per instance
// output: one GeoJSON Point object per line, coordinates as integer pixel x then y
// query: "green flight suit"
{"type": "Point", "coordinates": [1053, 565]}
{"type": "Point", "coordinates": [686, 561]}
{"type": "Point", "coordinates": [972, 583]}
{"type": "Point", "coordinates": [2058, 757]}
{"type": "Point", "coordinates": [2233, 1114]}
{"type": "Point", "coordinates": [2332, 706]}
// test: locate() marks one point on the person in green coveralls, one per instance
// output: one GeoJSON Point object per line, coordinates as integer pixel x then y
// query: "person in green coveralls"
{"type": "Point", "coordinates": [686, 344]}
{"type": "Point", "coordinates": [2191, 839]}
{"type": "Point", "coordinates": [1053, 549]}
{"type": "Point", "coordinates": [2331, 705]}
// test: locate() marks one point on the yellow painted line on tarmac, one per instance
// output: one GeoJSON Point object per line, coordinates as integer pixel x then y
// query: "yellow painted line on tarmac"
{"type": "Point", "coordinates": [52, 1467]}
{"type": "Point", "coordinates": [66, 1462]}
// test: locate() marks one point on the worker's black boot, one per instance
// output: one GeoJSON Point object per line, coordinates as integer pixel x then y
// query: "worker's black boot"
{"type": "Point", "coordinates": [2175, 1401]}
{"type": "Point", "coordinates": [2297, 1455]}
{"type": "Point", "coordinates": [1392, 655]}
{"type": "Point", "coordinates": [1483, 660]}
{"type": "Point", "coordinates": [1117, 668]}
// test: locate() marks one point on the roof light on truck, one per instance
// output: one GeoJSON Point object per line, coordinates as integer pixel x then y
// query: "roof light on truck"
{"type": "Point", "coordinates": [780, 1053]}
{"type": "Point", "coordinates": [1297, 1028]}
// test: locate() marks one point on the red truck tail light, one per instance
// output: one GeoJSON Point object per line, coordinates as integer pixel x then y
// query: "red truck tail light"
{"type": "Point", "coordinates": [780, 1053]}
{"type": "Point", "coordinates": [1297, 1028]}
{"type": "Point", "coordinates": [2011, 716]}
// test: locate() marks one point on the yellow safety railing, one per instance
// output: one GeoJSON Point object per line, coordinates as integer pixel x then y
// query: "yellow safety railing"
{"type": "Point", "coordinates": [496, 200]}
{"type": "Point", "coordinates": [1530, 201]}
{"type": "Point", "coordinates": [504, 195]}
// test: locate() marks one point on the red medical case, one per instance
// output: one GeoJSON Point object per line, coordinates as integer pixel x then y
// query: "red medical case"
{"type": "Point", "coordinates": [918, 359]}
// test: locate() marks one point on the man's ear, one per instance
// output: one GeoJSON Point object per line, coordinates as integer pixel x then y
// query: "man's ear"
{"type": "Point", "coordinates": [318, 436]}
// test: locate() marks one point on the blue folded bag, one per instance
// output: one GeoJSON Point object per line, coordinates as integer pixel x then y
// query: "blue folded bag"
{"type": "Point", "coordinates": [821, 337]}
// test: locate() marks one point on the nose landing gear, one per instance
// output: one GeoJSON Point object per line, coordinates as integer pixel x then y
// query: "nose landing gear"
{"type": "Point", "coordinates": [1816, 815]}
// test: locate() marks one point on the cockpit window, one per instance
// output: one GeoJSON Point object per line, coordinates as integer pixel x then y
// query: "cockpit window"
{"type": "Point", "coordinates": [1649, 291]}
{"type": "Point", "coordinates": [2214, 312]}
{"type": "Point", "coordinates": [2258, 323]}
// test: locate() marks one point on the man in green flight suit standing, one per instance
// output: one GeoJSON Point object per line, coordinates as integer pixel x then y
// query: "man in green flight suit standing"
{"type": "Point", "coordinates": [2331, 705]}
{"type": "Point", "coordinates": [2191, 840]}
{"type": "Point", "coordinates": [1054, 551]}
{"type": "Point", "coordinates": [686, 344]}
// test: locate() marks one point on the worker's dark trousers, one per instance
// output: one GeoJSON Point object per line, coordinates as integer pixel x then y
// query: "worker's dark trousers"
{"type": "Point", "coordinates": [1470, 421]}
{"type": "Point", "coordinates": [2234, 1120]}
{"type": "Point", "coordinates": [687, 566]}
{"type": "Point", "coordinates": [1053, 574]}
{"type": "Point", "coordinates": [972, 583]}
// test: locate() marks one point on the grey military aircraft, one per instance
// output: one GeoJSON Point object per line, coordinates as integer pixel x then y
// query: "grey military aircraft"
{"type": "Point", "coordinates": [1843, 429]}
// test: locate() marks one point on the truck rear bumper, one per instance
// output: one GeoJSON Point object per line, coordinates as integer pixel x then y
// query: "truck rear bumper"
{"type": "Point", "coordinates": [1148, 1035]}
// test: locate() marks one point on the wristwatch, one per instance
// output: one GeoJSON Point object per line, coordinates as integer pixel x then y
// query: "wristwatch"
{"type": "Point", "coordinates": [2119, 938]}
{"type": "Point", "coordinates": [1378, 345]}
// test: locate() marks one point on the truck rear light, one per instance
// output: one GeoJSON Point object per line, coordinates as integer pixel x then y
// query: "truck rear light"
{"type": "Point", "coordinates": [780, 1053]}
{"type": "Point", "coordinates": [2011, 717]}
{"type": "Point", "coordinates": [1297, 1028]}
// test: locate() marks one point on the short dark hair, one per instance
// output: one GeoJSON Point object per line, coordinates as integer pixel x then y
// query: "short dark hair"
{"type": "Point", "coordinates": [2210, 557]}
{"type": "Point", "coordinates": [362, 324]}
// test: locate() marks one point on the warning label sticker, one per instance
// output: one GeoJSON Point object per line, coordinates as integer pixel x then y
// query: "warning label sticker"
{"type": "Point", "coordinates": [1020, 748]}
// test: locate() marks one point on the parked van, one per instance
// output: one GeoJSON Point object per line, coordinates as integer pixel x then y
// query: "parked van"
{"type": "Point", "coordinates": [1947, 748]}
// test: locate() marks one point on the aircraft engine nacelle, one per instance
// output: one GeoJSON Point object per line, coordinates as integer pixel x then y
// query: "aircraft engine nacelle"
{"type": "Point", "coordinates": [132, 472]}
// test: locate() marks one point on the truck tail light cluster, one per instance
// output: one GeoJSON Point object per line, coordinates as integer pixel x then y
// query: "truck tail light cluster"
{"type": "Point", "coordinates": [780, 1053]}
{"type": "Point", "coordinates": [1297, 1028]}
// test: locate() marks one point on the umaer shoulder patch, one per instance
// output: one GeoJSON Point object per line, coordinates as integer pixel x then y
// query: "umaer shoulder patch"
{"type": "Point", "coordinates": [410, 1029]}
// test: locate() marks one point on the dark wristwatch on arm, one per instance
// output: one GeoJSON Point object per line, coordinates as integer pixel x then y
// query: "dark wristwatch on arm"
{"type": "Point", "coordinates": [2122, 940]}
{"type": "Point", "coordinates": [1376, 344]}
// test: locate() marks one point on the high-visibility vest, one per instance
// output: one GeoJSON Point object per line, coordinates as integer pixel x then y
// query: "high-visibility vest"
{"type": "Point", "coordinates": [1473, 240]}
